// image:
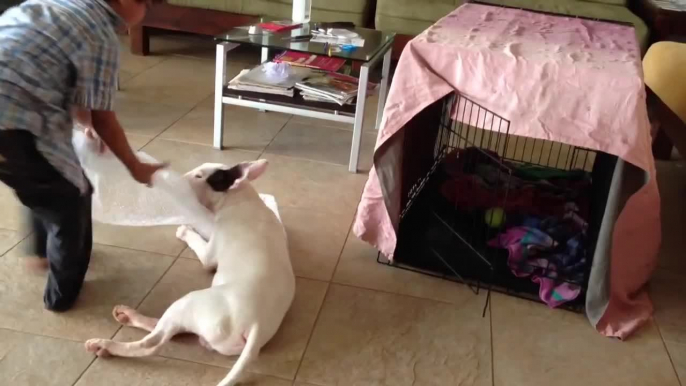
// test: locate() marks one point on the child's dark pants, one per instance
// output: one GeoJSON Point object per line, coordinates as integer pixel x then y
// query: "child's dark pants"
{"type": "Point", "coordinates": [60, 216]}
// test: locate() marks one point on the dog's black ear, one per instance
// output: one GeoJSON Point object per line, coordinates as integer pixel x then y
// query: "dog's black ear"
{"type": "Point", "coordinates": [222, 180]}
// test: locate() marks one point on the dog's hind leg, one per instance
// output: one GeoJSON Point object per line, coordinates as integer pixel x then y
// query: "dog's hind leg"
{"type": "Point", "coordinates": [144, 347]}
{"type": "Point", "coordinates": [169, 325]}
{"type": "Point", "coordinates": [129, 317]}
{"type": "Point", "coordinates": [198, 245]}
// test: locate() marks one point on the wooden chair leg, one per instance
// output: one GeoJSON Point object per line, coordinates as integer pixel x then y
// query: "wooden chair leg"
{"type": "Point", "coordinates": [140, 40]}
{"type": "Point", "coordinates": [671, 129]}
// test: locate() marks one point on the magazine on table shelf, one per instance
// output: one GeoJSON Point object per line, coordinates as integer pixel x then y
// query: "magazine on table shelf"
{"type": "Point", "coordinates": [258, 80]}
{"type": "Point", "coordinates": [332, 88]}
{"type": "Point", "coordinates": [318, 62]}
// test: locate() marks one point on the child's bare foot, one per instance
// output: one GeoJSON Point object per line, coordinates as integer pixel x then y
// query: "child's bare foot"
{"type": "Point", "coordinates": [37, 265]}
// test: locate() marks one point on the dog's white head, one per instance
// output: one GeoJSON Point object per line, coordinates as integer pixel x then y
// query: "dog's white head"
{"type": "Point", "coordinates": [211, 182]}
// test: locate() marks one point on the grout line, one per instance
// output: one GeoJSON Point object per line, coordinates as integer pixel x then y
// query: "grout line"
{"type": "Point", "coordinates": [279, 377]}
{"type": "Point", "coordinates": [387, 292]}
{"type": "Point", "coordinates": [669, 354]}
{"type": "Point", "coordinates": [166, 271]}
{"type": "Point", "coordinates": [170, 125]}
{"type": "Point", "coordinates": [360, 171]}
{"type": "Point", "coordinates": [13, 247]}
{"type": "Point", "coordinates": [84, 371]}
{"type": "Point", "coordinates": [141, 72]}
{"type": "Point", "coordinates": [64, 339]}
{"type": "Point", "coordinates": [264, 150]}
{"type": "Point", "coordinates": [321, 307]}
{"type": "Point", "coordinates": [135, 250]}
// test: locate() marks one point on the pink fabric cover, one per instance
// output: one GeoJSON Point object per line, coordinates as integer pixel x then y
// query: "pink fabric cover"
{"type": "Point", "coordinates": [555, 78]}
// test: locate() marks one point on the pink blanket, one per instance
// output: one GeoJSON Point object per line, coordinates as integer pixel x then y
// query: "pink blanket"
{"type": "Point", "coordinates": [555, 78]}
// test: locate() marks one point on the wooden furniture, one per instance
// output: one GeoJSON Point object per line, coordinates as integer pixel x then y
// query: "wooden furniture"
{"type": "Point", "coordinates": [667, 22]}
{"type": "Point", "coordinates": [175, 18]}
{"type": "Point", "coordinates": [666, 18]}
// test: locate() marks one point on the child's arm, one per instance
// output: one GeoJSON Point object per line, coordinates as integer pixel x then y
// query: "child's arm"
{"type": "Point", "coordinates": [107, 126]}
{"type": "Point", "coordinates": [97, 65]}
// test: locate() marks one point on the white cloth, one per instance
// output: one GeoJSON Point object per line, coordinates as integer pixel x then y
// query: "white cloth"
{"type": "Point", "coordinates": [119, 200]}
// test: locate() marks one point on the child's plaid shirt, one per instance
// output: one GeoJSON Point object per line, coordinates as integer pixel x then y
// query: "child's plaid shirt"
{"type": "Point", "coordinates": [54, 55]}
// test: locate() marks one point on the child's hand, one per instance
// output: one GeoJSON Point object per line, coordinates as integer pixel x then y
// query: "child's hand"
{"type": "Point", "coordinates": [142, 172]}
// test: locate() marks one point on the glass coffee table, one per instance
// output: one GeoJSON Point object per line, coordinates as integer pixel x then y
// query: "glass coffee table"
{"type": "Point", "coordinates": [376, 50]}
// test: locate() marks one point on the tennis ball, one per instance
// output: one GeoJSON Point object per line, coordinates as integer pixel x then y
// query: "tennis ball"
{"type": "Point", "coordinates": [495, 217]}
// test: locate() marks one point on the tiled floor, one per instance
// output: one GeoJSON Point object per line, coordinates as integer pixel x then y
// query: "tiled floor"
{"type": "Point", "coordinates": [353, 322]}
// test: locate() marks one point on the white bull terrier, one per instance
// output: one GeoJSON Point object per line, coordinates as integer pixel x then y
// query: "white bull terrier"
{"type": "Point", "coordinates": [252, 289]}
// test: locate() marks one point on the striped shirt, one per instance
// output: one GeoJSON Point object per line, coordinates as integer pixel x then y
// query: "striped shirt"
{"type": "Point", "coordinates": [55, 54]}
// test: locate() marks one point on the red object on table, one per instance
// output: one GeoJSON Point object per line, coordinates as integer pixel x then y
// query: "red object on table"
{"type": "Point", "coordinates": [279, 26]}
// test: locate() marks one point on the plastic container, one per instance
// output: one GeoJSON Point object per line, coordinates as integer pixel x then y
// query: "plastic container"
{"type": "Point", "coordinates": [302, 9]}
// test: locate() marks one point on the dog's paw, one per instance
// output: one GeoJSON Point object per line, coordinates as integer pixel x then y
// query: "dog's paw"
{"type": "Point", "coordinates": [97, 347]}
{"type": "Point", "coordinates": [123, 314]}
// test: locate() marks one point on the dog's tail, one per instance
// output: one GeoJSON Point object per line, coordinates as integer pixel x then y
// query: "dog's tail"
{"type": "Point", "coordinates": [250, 352]}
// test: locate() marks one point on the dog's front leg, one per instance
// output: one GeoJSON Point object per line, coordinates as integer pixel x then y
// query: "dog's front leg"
{"type": "Point", "coordinates": [197, 244]}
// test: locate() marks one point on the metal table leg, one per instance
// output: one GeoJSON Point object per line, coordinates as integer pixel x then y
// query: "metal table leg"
{"type": "Point", "coordinates": [383, 88]}
{"type": "Point", "coordinates": [359, 118]}
{"type": "Point", "coordinates": [219, 84]}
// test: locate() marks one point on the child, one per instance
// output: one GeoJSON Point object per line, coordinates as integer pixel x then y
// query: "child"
{"type": "Point", "coordinates": [57, 58]}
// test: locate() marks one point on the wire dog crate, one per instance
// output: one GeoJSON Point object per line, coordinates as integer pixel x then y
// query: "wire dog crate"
{"type": "Point", "coordinates": [501, 212]}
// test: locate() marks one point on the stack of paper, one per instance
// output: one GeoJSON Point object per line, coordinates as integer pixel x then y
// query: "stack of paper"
{"type": "Point", "coordinates": [258, 80]}
{"type": "Point", "coordinates": [329, 88]}
{"type": "Point", "coordinates": [335, 36]}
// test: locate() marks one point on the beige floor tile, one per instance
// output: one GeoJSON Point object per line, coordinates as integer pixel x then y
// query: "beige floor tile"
{"type": "Point", "coordinates": [279, 358]}
{"type": "Point", "coordinates": [184, 157]}
{"type": "Point", "coordinates": [315, 241]}
{"type": "Point", "coordinates": [667, 290]}
{"type": "Point", "coordinates": [365, 337]}
{"type": "Point", "coordinates": [369, 118]}
{"type": "Point", "coordinates": [323, 144]}
{"type": "Point", "coordinates": [534, 345]}
{"type": "Point", "coordinates": [672, 180]}
{"type": "Point", "coordinates": [146, 117]}
{"type": "Point", "coordinates": [313, 186]}
{"type": "Point", "coordinates": [179, 82]}
{"type": "Point", "coordinates": [358, 267]}
{"type": "Point", "coordinates": [132, 64]}
{"type": "Point", "coordinates": [244, 128]}
{"type": "Point", "coordinates": [115, 276]}
{"type": "Point", "coordinates": [161, 239]}
{"type": "Point", "coordinates": [192, 46]}
{"type": "Point", "coordinates": [138, 141]}
{"type": "Point", "coordinates": [8, 239]}
{"type": "Point", "coordinates": [28, 360]}
{"type": "Point", "coordinates": [125, 76]}
{"type": "Point", "coordinates": [199, 47]}
{"type": "Point", "coordinates": [12, 210]}
{"type": "Point", "coordinates": [161, 372]}
{"type": "Point", "coordinates": [677, 351]}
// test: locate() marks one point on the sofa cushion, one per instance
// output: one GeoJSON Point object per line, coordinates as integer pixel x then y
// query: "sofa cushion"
{"type": "Point", "coordinates": [233, 6]}
{"type": "Point", "coordinates": [411, 17]}
{"type": "Point", "coordinates": [584, 9]}
{"type": "Point", "coordinates": [356, 11]}
{"type": "Point", "coordinates": [611, 2]}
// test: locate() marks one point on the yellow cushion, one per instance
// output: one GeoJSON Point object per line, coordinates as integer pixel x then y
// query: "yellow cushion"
{"type": "Point", "coordinates": [664, 68]}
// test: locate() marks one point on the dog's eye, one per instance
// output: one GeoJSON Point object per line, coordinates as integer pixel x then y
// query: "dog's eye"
{"type": "Point", "coordinates": [198, 175]}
